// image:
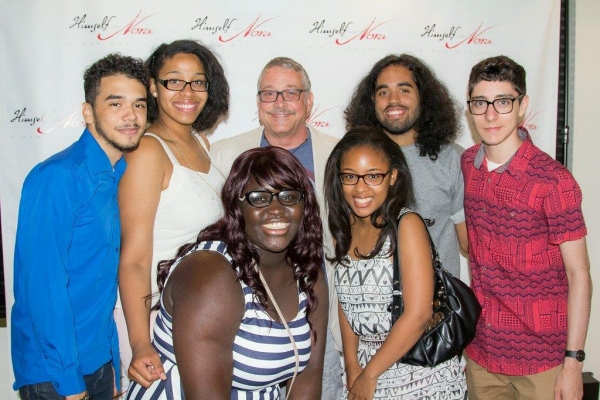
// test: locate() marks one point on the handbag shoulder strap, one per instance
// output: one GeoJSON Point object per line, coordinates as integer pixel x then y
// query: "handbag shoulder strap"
{"type": "Point", "coordinates": [434, 253]}
{"type": "Point", "coordinates": [287, 328]}
{"type": "Point", "coordinates": [397, 305]}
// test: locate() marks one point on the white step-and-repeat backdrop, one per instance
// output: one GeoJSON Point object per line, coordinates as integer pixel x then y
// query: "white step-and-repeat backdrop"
{"type": "Point", "coordinates": [46, 46]}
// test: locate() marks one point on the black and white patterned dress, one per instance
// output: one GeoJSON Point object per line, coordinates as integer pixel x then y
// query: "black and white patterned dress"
{"type": "Point", "coordinates": [365, 292]}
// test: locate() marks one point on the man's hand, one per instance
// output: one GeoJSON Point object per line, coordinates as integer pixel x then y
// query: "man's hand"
{"type": "Point", "coordinates": [569, 383]}
{"type": "Point", "coordinates": [77, 396]}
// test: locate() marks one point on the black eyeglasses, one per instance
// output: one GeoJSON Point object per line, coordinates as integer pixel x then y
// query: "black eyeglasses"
{"type": "Point", "coordinates": [270, 96]}
{"type": "Point", "coordinates": [262, 198]}
{"type": "Point", "coordinates": [372, 179]}
{"type": "Point", "coordinates": [503, 105]}
{"type": "Point", "coordinates": [177, 85]}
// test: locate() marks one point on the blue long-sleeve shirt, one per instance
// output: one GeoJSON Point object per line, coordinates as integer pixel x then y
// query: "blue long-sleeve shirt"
{"type": "Point", "coordinates": [65, 270]}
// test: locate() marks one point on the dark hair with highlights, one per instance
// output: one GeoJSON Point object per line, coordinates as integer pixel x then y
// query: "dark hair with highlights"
{"type": "Point", "coordinates": [339, 212]}
{"type": "Point", "coordinates": [112, 64]}
{"type": "Point", "coordinates": [500, 69]}
{"type": "Point", "coordinates": [439, 120]}
{"type": "Point", "coordinates": [217, 103]}
{"type": "Point", "coordinates": [276, 168]}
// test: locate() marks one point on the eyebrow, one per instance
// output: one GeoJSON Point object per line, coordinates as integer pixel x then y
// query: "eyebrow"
{"type": "Point", "coordinates": [369, 171]}
{"type": "Point", "coordinates": [120, 97]}
{"type": "Point", "coordinates": [288, 86]}
{"type": "Point", "coordinates": [179, 72]}
{"type": "Point", "coordinates": [498, 96]}
{"type": "Point", "coordinates": [399, 84]}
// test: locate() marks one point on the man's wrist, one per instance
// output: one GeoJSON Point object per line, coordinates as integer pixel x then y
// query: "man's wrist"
{"type": "Point", "coordinates": [571, 364]}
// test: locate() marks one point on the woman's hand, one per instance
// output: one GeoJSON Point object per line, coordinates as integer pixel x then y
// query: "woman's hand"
{"type": "Point", "coordinates": [146, 366]}
{"type": "Point", "coordinates": [351, 375]}
{"type": "Point", "coordinates": [363, 388]}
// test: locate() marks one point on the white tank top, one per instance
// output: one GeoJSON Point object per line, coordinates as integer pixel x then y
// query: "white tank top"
{"type": "Point", "coordinates": [186, 206]}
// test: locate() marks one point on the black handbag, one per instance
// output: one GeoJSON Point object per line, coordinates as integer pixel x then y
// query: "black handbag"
{"type": "Point", "coordinates": [455, 314]}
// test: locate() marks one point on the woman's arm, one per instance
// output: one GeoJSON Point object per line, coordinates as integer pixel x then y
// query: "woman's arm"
{"type": "Point", "coordinates": [207, 305]}
{"type": "Point", "coordinates": [139, 194]}
{"type": "Point", "coordinates": [417, 293]}
{"type": "Point", "coordinates": [308, 383]}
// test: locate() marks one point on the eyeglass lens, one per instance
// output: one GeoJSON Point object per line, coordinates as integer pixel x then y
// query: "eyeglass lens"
{"type": "Point", "coordinates": [179, 85]}
{"type": "Point", "coordinates": [502, 106]}
{"type": "Point", "coordinates": [271, 96]}
{"type": "Point", "coordinates": [261, 198]}
{"type": "Point", "coordinates": [370, 179]}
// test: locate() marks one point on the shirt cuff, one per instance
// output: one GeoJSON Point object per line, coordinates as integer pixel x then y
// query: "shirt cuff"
{"type": "Point", "coordinates": [458, 217]}
{"type": "Point", "coordinates": [69, 382]}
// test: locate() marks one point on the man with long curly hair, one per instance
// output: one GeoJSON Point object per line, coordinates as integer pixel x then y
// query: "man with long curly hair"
{"type": "Point", "coordinates": [402, 95]}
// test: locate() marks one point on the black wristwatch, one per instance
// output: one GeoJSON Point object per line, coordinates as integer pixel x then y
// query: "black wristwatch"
{"type": "Point", "coordinates": [579, 355]}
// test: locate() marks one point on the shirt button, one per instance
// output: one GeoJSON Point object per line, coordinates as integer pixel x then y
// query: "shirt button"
{"type": "Point", "coordinates": [481, 239]}
{"type": "Point", "coordinates": [483, 210]}
{"type": "Point", "coordinates": [489, 325]}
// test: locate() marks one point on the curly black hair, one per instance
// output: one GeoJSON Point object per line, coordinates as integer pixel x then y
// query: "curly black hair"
{"type": "Point", "coordinates": [112, 64]}
{"type": "Point", "coordinates": [276, 168]}
{"type": "Point", "coordinates": [439, 120]}
{"type": "Point", "coordinates": [400, 194]}
{"type": "Point", "coordinates": [217, 104]}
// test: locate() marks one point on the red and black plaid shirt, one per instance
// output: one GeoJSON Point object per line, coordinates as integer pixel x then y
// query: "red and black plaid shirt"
{"type": "Point", "coordinates": [517, 216]}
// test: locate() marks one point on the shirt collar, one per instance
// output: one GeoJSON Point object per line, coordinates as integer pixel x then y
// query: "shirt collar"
{"type": "Point", "coordinates": [98, 161]}
{"type": "Point", "coordinates": [517, 163]}
{"type": "Point", "coordinates": [264, 142]}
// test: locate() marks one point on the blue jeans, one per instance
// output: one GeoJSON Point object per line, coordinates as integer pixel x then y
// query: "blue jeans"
{"type": "Point", "coordinates": [100, 386]}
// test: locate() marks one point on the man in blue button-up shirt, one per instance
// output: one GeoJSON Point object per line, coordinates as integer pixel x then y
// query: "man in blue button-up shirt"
{"type": "Point", "coordinates": [67, 247]}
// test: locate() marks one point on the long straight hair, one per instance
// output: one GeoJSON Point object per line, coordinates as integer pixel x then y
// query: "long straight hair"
{"type": "Point", "coordinates": [339, 212]}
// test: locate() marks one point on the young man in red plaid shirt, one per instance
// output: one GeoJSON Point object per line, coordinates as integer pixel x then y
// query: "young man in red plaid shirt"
{"type": "Point", "coordinates": [527, 250]}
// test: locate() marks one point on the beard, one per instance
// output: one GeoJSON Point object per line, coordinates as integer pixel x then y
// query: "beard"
{"type": "Point", "coordinates": [121, 147]}
{"type": "Point", "coordinates": [396, 127]}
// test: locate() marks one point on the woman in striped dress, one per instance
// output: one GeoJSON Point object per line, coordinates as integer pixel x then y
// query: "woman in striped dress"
{"type": "Point", "coordinates": [233, 300]}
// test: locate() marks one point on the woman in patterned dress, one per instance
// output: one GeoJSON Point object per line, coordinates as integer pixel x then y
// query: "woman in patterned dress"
{"type": "Point", "coordinates": [367, 186]}
{"type": "Point", "coordinates": [218, 333]}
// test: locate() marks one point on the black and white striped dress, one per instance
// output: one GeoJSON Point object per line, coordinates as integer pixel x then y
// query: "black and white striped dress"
{"type": "Point", "coordinates": [262, 352]}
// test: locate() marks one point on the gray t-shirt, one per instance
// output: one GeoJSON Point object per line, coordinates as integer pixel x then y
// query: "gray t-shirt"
{"type": "Point", "coordinates": [439, 193]}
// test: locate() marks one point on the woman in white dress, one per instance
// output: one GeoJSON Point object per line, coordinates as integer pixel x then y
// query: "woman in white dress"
{"type": "Point", "coordinates": [170, 190]}
{"type": "Point", "coordinates": [367, 186]}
